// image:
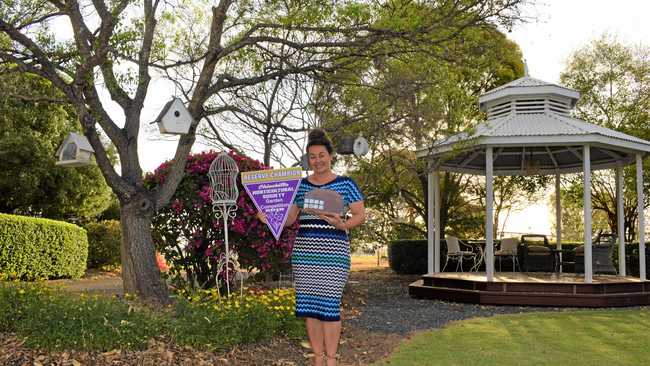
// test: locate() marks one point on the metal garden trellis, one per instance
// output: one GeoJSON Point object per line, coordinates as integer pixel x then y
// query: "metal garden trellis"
{"type": "Point", "coordinates": [223, 181]}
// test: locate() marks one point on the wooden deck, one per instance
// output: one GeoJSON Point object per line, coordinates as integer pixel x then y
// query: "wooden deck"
{"type": "Point", "coordinates": [533, 289]}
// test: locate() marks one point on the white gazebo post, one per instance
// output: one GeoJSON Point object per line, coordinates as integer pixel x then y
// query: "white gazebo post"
{"type": "Point", "coordinates": [430, 211]}
{"type": "Point", "coordinates": [436, 217]}
{"type": "Point", "coordinates": [586, 168]}
{"type": "Point", "coordinates": [558, 218]}
{"type": "Point", "coordinates": [639, 197]}
{"type": "Point", "coordinates": [489, 217]}
{"type": "Point", "coordinates": [619, 217]}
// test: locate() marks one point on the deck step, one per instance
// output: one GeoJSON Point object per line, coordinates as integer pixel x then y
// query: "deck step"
{"type": "Point", "coordinates": [418, 289]}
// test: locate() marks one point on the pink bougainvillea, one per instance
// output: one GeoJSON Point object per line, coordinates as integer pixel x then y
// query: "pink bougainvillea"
{"type": "Point", "coordinates": [190, 237]}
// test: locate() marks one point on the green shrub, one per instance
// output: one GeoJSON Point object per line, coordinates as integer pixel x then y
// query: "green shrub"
{"type": "Point", "coordinates": [104, 241]}
{"type": "Point", "coordinates": [32, 248]}
{"type": "Point", "coordinates": [55, 320]}
{"type": "Point", "coordinates": [408, 256]}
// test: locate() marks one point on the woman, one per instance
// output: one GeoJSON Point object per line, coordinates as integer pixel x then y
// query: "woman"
{"type": "Point", "coordinates": [321, 252]}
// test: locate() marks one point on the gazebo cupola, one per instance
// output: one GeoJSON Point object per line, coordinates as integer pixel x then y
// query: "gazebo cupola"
{"type": "Point", "coordinates": [527, 95]}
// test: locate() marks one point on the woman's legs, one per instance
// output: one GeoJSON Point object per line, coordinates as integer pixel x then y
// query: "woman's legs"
{"type": "Point", "coordinates": [332, 333]}
{"type": "Point", "coordinates": [316, 339]}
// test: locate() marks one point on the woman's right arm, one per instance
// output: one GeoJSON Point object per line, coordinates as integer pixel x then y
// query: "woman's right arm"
{"type": "Point", "coordinates": [294, 210]}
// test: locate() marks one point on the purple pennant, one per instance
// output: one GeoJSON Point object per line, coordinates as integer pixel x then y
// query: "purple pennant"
{"type": "Point", "coordinates": [272, 192]}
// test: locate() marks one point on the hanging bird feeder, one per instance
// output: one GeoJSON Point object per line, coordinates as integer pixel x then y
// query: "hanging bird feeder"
{"type": "Point", "coordinates": [75, 151]}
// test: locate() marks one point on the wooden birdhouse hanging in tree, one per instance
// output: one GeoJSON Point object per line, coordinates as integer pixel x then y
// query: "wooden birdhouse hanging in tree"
{"type": "Point", "coordinates": [174, 119]}
{"type": "Point", "coordinates": [74, 151]}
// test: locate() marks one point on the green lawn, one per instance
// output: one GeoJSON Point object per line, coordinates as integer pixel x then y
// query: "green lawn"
{"type": "Point", "coordinates": [613, 337]}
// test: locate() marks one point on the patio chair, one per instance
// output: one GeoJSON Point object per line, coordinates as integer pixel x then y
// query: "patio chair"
{"type": "Point", "coordinates": [602, 253]}
{"type": "Point", "coordinates": [537, 258]}
{"type": "Point", "coordinates": [454, 252]}
{"type": "Point", "coordinates": [508, 248]}
{"type": "Point", "coordinates": [536, 255]}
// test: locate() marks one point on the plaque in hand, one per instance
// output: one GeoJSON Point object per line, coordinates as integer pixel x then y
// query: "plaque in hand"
{"type": "Point", "coordinates": [320, 201]}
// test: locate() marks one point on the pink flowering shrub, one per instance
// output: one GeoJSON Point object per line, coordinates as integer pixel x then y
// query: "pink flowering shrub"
{"type": "Point", "coordinates": [190, 236]}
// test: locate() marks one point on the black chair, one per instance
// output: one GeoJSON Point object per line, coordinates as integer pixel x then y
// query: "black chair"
{"type": "Point", "coordinates": [602, 255]}
{"type": "Point", "coordinates": [536, 256]}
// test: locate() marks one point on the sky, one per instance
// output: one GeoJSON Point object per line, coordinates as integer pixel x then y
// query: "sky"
{"type": "Point", "coordinates": [562, 27]}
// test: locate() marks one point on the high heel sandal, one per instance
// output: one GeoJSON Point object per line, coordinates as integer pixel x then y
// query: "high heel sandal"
{"type": "Point", "coordinates": [319, 355]}
{"type": "Point", "coordinates": [335, 358]}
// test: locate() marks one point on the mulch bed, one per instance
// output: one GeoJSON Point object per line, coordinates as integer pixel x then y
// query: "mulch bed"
{"type": "Point", "coordinates": [377, 313]}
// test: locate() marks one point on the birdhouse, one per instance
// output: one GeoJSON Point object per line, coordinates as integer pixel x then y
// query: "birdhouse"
{"type": "Point", "coordinates": [74, 151]}
{"type": "Point", "coordinates": [345, 145]}
{"type": "Point", "coordinates": [174, 119]}
{"type": "Point", "coordinates": [349, 145]}
{"type": "Point", "coordinates": [360, 147]}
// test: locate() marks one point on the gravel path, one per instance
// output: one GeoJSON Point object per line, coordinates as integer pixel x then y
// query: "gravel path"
{"type": "Point", "coordinates": [389, 308]}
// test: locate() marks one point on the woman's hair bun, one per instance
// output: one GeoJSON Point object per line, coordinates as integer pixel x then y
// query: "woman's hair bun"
{"type": "Point", "coordinates": [317, 134]}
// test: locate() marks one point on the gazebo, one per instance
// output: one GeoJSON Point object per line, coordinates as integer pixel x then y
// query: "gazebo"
{"type": "Point", "coordinates": [530, 130]}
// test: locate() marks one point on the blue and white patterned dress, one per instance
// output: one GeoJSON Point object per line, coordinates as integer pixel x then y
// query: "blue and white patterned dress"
{"type": "Point", "coordinates": [321, 255]}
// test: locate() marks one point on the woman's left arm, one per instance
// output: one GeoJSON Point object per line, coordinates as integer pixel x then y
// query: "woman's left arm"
{"type": "Point", "coordinates": [358, 212]}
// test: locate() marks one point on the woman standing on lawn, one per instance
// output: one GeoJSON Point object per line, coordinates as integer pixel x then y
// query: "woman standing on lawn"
{"type": "Point", "coordinates": [321, 252]}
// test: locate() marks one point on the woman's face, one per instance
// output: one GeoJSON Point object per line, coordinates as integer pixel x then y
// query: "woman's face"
{"type": "Point", "coordinates": [320, 160]}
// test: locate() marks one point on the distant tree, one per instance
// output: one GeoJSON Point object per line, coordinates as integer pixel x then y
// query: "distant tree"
{"type": "Point", "coordinates": [409, 102]}
{"type": "Point", "coordinates": [31, 130]}
{"type": "Point", "coordinates": [614, 82]}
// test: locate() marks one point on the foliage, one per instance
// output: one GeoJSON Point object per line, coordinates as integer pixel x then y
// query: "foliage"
{"type": "Point", "coordinates": [32, 248]}
{"type": "Point", "coordinates": [30, 133]}
{"type": "Point", "coordinates": [409, 102]}
{"type": "Point", "coordinates": [408, 256]}
{"type": "Point", "coordinates": [190, 236]}
{"type": "Point", "coordinates": [256, 316]}
{"type": "Point", "coordinates": [614, 82]}
{"type": "Point", "coordinates": [544, 338]}
{"type": "Point", "coordinates": [52, 319]}
{"type": "Point", "coordinates": [104, 240]}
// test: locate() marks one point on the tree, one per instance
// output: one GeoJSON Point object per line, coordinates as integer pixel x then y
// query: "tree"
{"type": "Point", "coordinates": [409, 102]}
{"type": "Point", "coordinates": [119, 45]}
{"type": "Point", "coordinates": [614, 82]}
{"type": "Point", "coordinates": [269, 120]}
{"type": "Point", "coordinates": [30, 133]}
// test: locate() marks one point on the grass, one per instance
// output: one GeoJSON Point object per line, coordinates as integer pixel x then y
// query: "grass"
{"type": "Point", "coordinates": [612, 337]}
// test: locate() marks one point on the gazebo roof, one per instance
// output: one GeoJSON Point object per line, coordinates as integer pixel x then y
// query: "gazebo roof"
{"type": "Point", "coordinates": [531, 132]}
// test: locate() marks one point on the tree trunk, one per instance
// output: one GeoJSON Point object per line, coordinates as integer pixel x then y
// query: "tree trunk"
{"type": "Point", "coordinates": [140, 272]}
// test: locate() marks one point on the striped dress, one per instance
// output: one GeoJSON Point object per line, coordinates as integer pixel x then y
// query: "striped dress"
{"type": "Point", "coordinates": [321, 255]}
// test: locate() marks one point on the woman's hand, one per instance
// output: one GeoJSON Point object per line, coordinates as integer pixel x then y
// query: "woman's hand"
{"type": "Point", "coordinates": [334, 220]}
{"type": "Point", "coordinates": [262, 217]}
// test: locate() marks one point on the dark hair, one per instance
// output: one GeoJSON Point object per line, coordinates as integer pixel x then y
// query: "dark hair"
{"type": "Point", "coordinates": [318, 136]}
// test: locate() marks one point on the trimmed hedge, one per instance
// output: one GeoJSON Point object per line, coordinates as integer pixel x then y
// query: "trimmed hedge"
{"type": "Point", "coordinates": [104, 241]}
{"type": "Point", "coordinates": [408, 256]}
{"type": "Point", "coordinates": [32, 248]}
